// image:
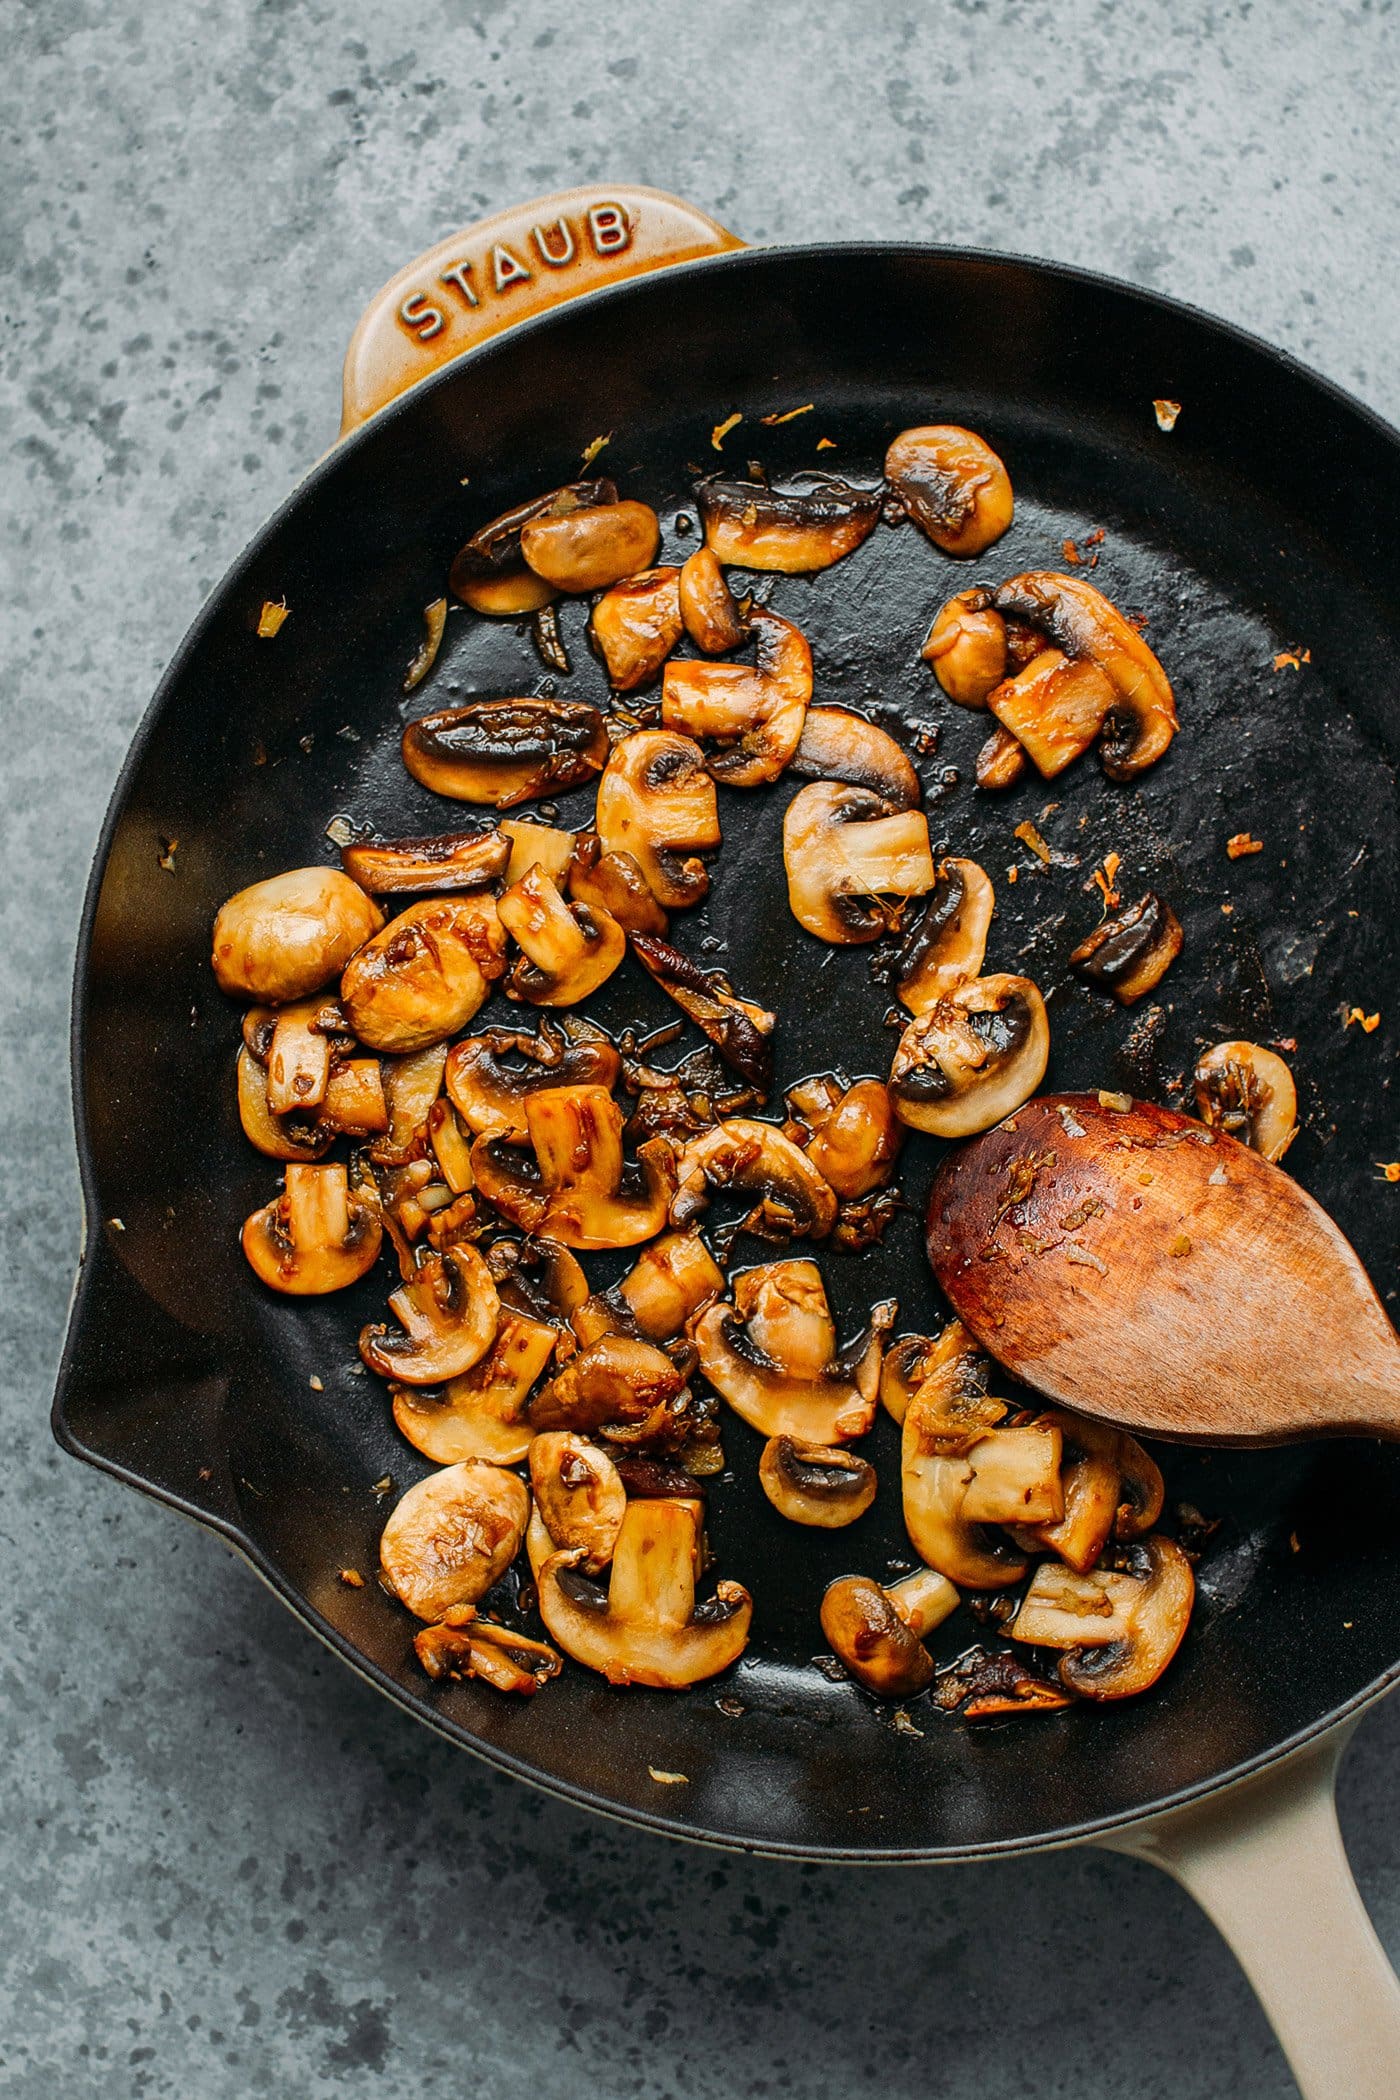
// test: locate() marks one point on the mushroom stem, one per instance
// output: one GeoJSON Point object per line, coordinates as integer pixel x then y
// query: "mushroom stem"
{"type": "Point", "coordinates": [318, 1205]}
{"type": "Point", "coordinates": [923, 1600]}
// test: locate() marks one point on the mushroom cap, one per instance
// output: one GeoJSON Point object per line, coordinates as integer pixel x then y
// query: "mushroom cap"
{"type": "Point", "coordinates": [966, 646]}
{"type": "Point", "coordinates": [707, 604]}
{"type": "Point", "coordinates": [480, 1414]}
{"type": "Point", "coordinates": [618, 1384]}
{"type": "Point", "coordinates": [761, 1354]}
{"type": "Point", "coordinates": [636, 625]}
{"type": "Point", "coordinates": [579, 1497]}
{"type": "Point", "coordinates": [754, 712]}
{"type": "Point", "coordinates": [743, 1153]}
{"type": "Point", "coordinates": [1119, 1627]}
{"type": "Point", "coordinates": [942, 1423]}
{"type": "Point", "coordinates": [871, 1638]}
{"type": "Point", "coordinates": [816, 1484]}
{"type": "Point", "coordinates": [749, 525]}
{"type": "Point", "coordinates": [657, 802]}
{"type": "Point", "coordinates": [449, 1314]}
{"type": "Point", "coordinates": [489, 1095]}
{"type": "Point", "coordinates": [586, 550]}
{"type": "Point", "coordinates": [576, 1190]}
{"type": "Point", "coordinates": [856, 1142]}
{"type": "Point", "coordinates": [972, 1058]}
{"type": "Point", "coordinates": [452, 860]}
{"type": "Point", "coordinates": [952, 484]}
{"type": "Point", "coordinates": [452, 1536]}
{"type": "Point", "coordinates": [947, 946]}
{"type": "Point", "coordinates": [838, 744]}
{"type": "Point", "coordinates": [464, 1645]}
{"type": "Point", "coordinates": [504, 752]}
{"type": "Point", "coordinates": [319, 1235]}
{"type": "Point", "coordinates": [289, 935]}
{"type": "Point", "coordinates": [615, 881]}
{"type": "Point", "coordinates": [489, 571]}
{"type": "Point", "coordinates": [1080, 621]}
{"type": "Point", "coordinates": [567, 950]}
{"type": "Point", "coordinates": [1248, 1091]}
{"type": "Point", "coordinates": [675, 1278]}
{"type": "Point", "coordinates": [421, 979]}
{"type": "Point", "coordinates": [843, 847]}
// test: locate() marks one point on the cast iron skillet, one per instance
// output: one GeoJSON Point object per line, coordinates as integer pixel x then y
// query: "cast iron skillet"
{"type": "Point", "coordinates": [1267, 522]}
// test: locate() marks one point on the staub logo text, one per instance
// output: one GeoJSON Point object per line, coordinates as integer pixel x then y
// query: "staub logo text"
{"type": "Point", "coordinates": [603, 230]}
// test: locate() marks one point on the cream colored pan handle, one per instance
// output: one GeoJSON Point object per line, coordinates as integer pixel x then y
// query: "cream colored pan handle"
{"type": "Point", "coordinates": [1265, 1861]}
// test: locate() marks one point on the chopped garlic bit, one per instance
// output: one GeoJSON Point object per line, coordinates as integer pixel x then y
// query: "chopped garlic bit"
{"type": "Point", "coordinates": [654, 1771]}
{"type": "Point", "coordinates": [270, 619]}
{"type": "Point", "coordinates": [1029, 836]}
{"type": "Point", "coordinates": [1389, 1171]}
{"type": "Point", "coordinates": [1180, 1245]}
{"type": "Point", "coordinates": [1083, 1259]}
{"type": "Point", "coordinates": [340, 831]}
{"type": "Point", "coordinates": [352, 1578]}
{"type": "Point", "coordinates": [594, 447]}
{"type": "Point", "coordinates": [1242, 843]}
{"type": "Point", "coordinates": [1369, 1022]}
{"type": "Point", "coordinates": [316, 1384]}
{"type": "Point", "coordinates": [826, 444]}
{"type": "Point", "coordinates": [722, 430]}
{"type": "Point", "coordinates": [1119, 1104]}
{"type": "Point", "coordinates": [1166, 413]}
{"type": "Point", "coordinates": [166, 857]}
{"type": "Point", "coordinates": [1292, 659]}
{"type": "Point", "coordinates": [1219, 1178]}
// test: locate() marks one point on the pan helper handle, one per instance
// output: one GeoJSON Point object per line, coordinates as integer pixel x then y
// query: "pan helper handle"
{"type": "Point", "coordinates": [507, 269]}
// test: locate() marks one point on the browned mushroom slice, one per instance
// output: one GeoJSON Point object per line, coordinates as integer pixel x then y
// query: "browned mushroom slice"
{"type": "Point", "coordinates": [657, 802]}
{"type": "Point", "coordinates": [449, 1314]}
{"type": "Point", "coordinates": [749, 525]}
{"type": "Point", "coordinates": [838, 744]}
{"type": "Point", "coordinates": [286, 937]}
{"type": "Point", "coordinates": [567, 950]}
{"type": "Point", "coordinates": [489, 1094]}
{"type": "Point", "coordinates": [754, 712]}
{"type": "Point", "coordinates": [277, 1137]}
{"type": "Point", "coordinates": [620, 1386]}
{"type": "Point", "coordinates": [636, 625]}
{"type": "Point", "coordinates": [966, 647]}
{"type": "Point", "coordinates": [855, 1134]}
{"type": "Point", "coordinates": [947, 1422]}
{"type": "Point", "coordinates": [490, 574]}
{"type": "Point", "coordinates": [1001, 762]}
{"type": "Point", "coordinates": [586, 550]}
{"type": "Point", "coordinates": [503, 752]}
{"type": "Point", "coordinates": [319, 1235]}
{"type": "Point", "coordinates": [972, 1058]}
{"type": "Point", "coordinates": [1249, 1091]}
{"type": "Point", "coordinates": [540, 1278]}
{"type": "Point", "coordinates": [741, 1031]}
{"type": "Point", "coordinates": [1120, 1626]}
{"type": "Point", "coordinates": [579, 1500]}
{"type": "Point", "coordinates": [879, 1633]}
{"type": "Point", "coordinates": [983, 1685]}
{"type": "Point", "coordinates": [707, 605]}
{"type": "Point", "coordinates": [616, 884]}
{"type": "Point", "coordinates": [1130, 954]}
{"type": "Point", "coordinates": [795, 1201]}
{"type": "Point", "coordinates": [816, 1484]}
{"type": "Point", "coordinates": [298, 1058]}
{"type": "Point", "coordinates": [1111, 1487]}
{"type": "Point", "coordinates": [355, 1104]}
{"type": "Point", "coordinates": [844, 848]}
{"type": "Point", "coordinates": [480, 1414]}
{"type": "Point", "coordinates": [411, 1086]}
{"type": "Point", "coordinates": [464, 1645]}
{"type": "Point", "coordinates": [451, 1145]}
{"type": "Point", "coordinates": [648, 1629]}
{"type": "Point", "coordinates": [1080, 621]}
{"type": "Point", "coordinates": [453, 860]}
{"type": "Point", "coordinates": [907, 1363]}
{"type": "Point", "coordinates": [1054, 708]}
{"type": "Point", "coordinates": [674, 1279]}
{"type": "Point", "coordinates": [452, 1536]}
{"type": "Point", "coordinates": [418, 981]}
{"type": "Point", "coordinates": [542, 846]}
{"type": "Point", "coordinates": [947, 946]}
{"type": "Point", "coordinates": [772, 1356]}
{"type": "Point", "coordinates": [575, 1189]}
{"type": "Point", "coordinates": [952, 484]}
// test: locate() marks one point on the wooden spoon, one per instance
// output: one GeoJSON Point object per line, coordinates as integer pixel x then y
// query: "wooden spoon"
{"type": "Point", "coordinates": [1139, 1267]}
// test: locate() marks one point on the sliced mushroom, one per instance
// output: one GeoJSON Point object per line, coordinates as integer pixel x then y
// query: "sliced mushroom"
{"type": "Point", "coordinates": [707, 605]}
{"type": "Point", "coordinates": [421, 979]}
{"type": "Point", "coordinates": [952, 484]}
{"type": "Point", "coordinates": [411, 1086]}
{"type": "Point", "coordinates": [489, 1094]}
{"type": "Point", "coordinates": [740, 1030]}
{"type": "Point", "coordinates": [452, 1147]}
{"type": "Point", "coordinates": [907, 1363]}
{"type": "Point", "coordinates": [1249, 1091]}
{"type": "Point", "coordinates": [579, 1500]}
{"type": "Point", "coordinates": [1120, 1626]}
{"type": "Point", "coordinates": [794, 531]}
{"type": "Point", "coordinates": [815, 1484]}
{"type": "Point", "coordinates": [542, 846]}
{"type": "Point", "coordinates": [541, 1278]}
{"type": "Point", "coordinates": [1001, 762]}
{"type": "Point", "coordinates": [657, 802]}
{"type": "Point", "coordinates": [490, 574]}
{"type": "Point", "coordinates": [449, 1314]}
{"type": "Point", "coordinates": [319, 1235]}
{"type": "Point", "coordinates": [567, 950]}
{"type": "Point", "coordinates": [575, 1190]}
{"type": "Point", "coordinates": [1081, 622]}
{"type": "Point", "coordinates": [844, 848]}
{"type": "Point", "coordinates": [1054, 708]}
{"type": "Point", "coordinates": [482, 1413]}
{"type": "Point", "coordinates": [1129, 955]}
{"type": "Point", "coordinates": [636, 625]}
{"type": "Point", "coordinates": [967, 648]}
{"type": "Point", "coordinates": [355, 1104]}
{"type": "Point", "coordinates": [276, 1137]}
{"type": "Point", "coordinates": [618, 1385]}
{"type": "Point", "coordinates": [463, 1645]}
{"type": "Point", "coordinates": [947, 946]}
{"type": "Point", "coordinates": [503, 752]}
{"type": "Point", "coordinates": [754, 712]}
{"type": "Point", "coordinates": [855, 1134]}
{"type": "Point", "coordinates": [772, 1355]}
{"type": "Point", "coordinates": [614, 882]}
{"type": "Point", "coordinates": [284, 938]}
{"type": "Point", "coordinates": [972, 1058]}
{"type": "Point", "coordinates": [453, 860]}
{"type": "Point", "coordinates": [945, 1423]}
{"type": "Point", "coordinates": [298, 1058]}
{"type": "Point", "coordinates": [452, 1536]}
{"type": "Point", "coordinates": [795, 1201]}
{"type": "Point", "coordinates": [879, 1633]}
{"type": "Point", "coordinates": [674, 1279]}
{"type": "Point", "coordinates": [837, 744]}
{"type": "Point", "coordinates": [588, 549]}
{"type": "Point", "coordinates": [648, 1629]}
{"type": "Point", "coordinates": [1111, 1488]}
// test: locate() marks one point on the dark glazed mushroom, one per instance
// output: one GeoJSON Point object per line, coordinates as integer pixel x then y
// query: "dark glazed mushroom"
{"type": "Point", "coordinates": [619, 1387]}
{"type": "Point", "coordinates": [815, 1484]}
{"type": "Point", "coordinates": [1001, 762]}
{"type": "Point", "coordinates": [503, 752]}
{"type": "Point", "coordinates": [636, 625]}
{"type": "Point", "coordinates": [567, 950]}
{"type": "Point", "coordinates": [657, 802]}
{"type": "Point", "coordinates": [449, 1314]}
{"type": "Point", "coordinates": [586, 550]}
{"type": "Point", "coordinates": [795, 1201]}
{"type": "Point", "coordinates": [1249, 1091]}
{"type": "Point", "coordinates": [319, 1235]}
{"type": "Point", "coordinates": [837, 744]}
{"type": "Point", "coordinates": [421, 979]}
{"type": "Point", "coordinates": [707, 605]}
{"type": "Point", "coordinates": [947, 946]}
{"type": "Point", "coordinates": [755, 713]}
{"type": "Point", "coordinates": [454, 860]}
{"type": "Point", "coordinates": [579, 1500]}
{"type": "Point", "coordinates": [453, 1535]}
{"type": "Point", "coordinates": [1120, 1627]}
{"type": "Point", "coordinates": [741, 1031]}
{"type": "Point", "coordinates": [614, 882]}
{"type": "Point", "coordinates": [490, 573]}
{"type": "Point", "coordinates": [844, 848]}
{"type": "Point", "coordinates": [489, 1094]}
{"type": "Point", "coordinates": [288, 936]}
{"type": "Point", "coordinates": [481, 1414]}
{"type": "Point", "coordinates": [879, 1633]}
{"type": "Point", "coordinates": [575, 1189]}
{"type": "Point", "coordinates": [1112, 1490]}
{"type": "Point", "coordinates": [1082, 623]}
{"type": "Point", "coordinates": [411, 1086]}
{"type": "Point", "coordinates": [972, 1058]}
{"type": "Point", "coordinates": [751, 526]}
{"type": "Point", "coordinates": [463, 1645]}
{"type": "Point", "coordinates": [953, 486]}
{"type": "Point", "coordinates": [855, 1135]}
{"type": "Point", "coordinates": [1054, 708]}
{"type": "Point", "coordinates": [772, 1356]}
{"type": "Point", "coordinates": [1129, 955]}
{"type": "Point", "coordinates": [907, 1363]}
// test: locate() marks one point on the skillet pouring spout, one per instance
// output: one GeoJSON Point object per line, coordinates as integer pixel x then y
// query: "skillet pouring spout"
{"type": "Point", "coordinates": [1139, 1267]}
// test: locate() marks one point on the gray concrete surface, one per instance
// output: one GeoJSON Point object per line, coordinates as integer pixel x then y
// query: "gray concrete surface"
{"type": "Point", "coordinates": [228, 1868]}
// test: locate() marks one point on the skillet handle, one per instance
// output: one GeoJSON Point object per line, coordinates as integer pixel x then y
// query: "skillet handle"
{"type": "Point", "coordinates": [1266, 1863]}
{"type": "Point", "coordinates": [507, 268]}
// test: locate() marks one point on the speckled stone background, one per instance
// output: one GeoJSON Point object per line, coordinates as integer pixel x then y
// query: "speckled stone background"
{"type": "Point", "coordinates": [228, 1868]}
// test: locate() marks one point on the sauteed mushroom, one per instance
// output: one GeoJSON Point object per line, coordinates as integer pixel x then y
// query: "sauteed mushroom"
{"type": "Point", "coordinates": [587, 549]}
{"type": "Point", "coordinates": [1120, 1627]}
{"type": "Point", "coordinates": [542, 846]}
{"type": "Point", "coordinates": [837, 744]}
{"type": "Point", "coordinates": [480, 1414]}
{"type": "Point", "coordinates": [1112, 1490]}
{"type": "Point", "coordinates": [772, 1355]}
{"type": "Point", "coordinates": [741, 1031]}
{"type": "Point", "coordinates": [795, 1200]}
{"type": "Point", "coordinates": [454, 860]}
{"type": "Point", "coordinates": [707, 605]}
{"type": "Point", "coordinates": [567, 950]}
{"type": "Point", "coordinates": [815, 1484]}
{"type": "Point", "coordinates": [490, 574]}
{"type": "Point", "coordinates": [503, 752]}
{"type": "Point", "coordinates": [751, 526]}
{"type": "Point", "coordinates": [452, 1536]}
{"type": "Point", "coordinates": [947, 946]}
{"type": "Point", "coordinates": [947, 1425]}
{"type": "Point", "coordinates": [966, 647]}
{"type": "Point", "coordinates": [579, 1500]}
{"type": "Point", "coordinates": [277, 1137]}
{"type": "Point", "coordinates": [952, 484]}
{"type": "Point", "coordinates": [284, 938]}
{"type": "Point", "coordinates": [1001, 762]}
{"type": "Point", "coordinates": [319, 1235]}
{"type": "Point", "coordinates": [449, 1314]}
{"type": "Point", "coordinates": [907, 1363]}
{"type": "Point", "coordinates": [636, 625]}
{"type": "Point", "coordinates": [463, 1644]}
{"type": "Point", "coordinates": [855, 1135]}
{"type": "Point", "coordinates": [411, 1086]}
{"type": "Point", "coordinates": [1054, 708]}
{"type": "Point", "coordinates": [675, 1278]}
{"type": "Point", "coordinates": [1080, 621]}
{"type": "Point", "coordinates": [540, 1278]}
{"type": "Point", "coordinates": [879, 1633]}
{"type": "Point", "coordinates": [489, 1095]}
{"type": "Point", "coordinates": [421, 979]}
{"type": "Point", "coordinates": [657, 802]}
{"type": "Point", "coordinates": [755, 712]}
{"type": "Point", "coordinates": [648, 1629]}
{"type": "Point", "coordinates": [1249, 1091]}
{"type": "Point", "coordinates": [1129, 955]}
{"type": "Point", "coordinates": [620, 1386]}
{"type": "Point", "coordinates": [972, 1058]}
{"type": "Point", "coordinates": [844, 848]}
{"type": "Point", "coordinates": [575, 1190]}
{"type": "Point", "coordinates": [615, 883]}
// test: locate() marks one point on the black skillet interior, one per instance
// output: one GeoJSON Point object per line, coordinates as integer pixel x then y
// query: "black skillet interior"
{"type": "Point", "coordinates": [1266, 523]}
